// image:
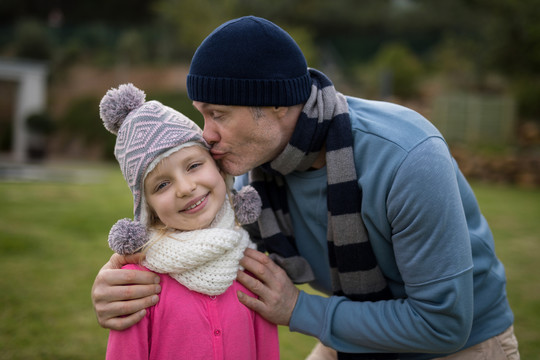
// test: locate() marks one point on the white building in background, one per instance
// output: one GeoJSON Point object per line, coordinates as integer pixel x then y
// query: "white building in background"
{"type": "Point", "coordinates": [31, 77]}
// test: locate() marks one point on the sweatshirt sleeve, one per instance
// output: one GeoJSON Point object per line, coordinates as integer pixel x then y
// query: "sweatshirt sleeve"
{"type": "Point", "coordinates": [432, 251]}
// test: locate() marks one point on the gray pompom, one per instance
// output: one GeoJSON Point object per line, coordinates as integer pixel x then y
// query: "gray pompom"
{"type": "Point", "coordinates": [127, 237]}
{"type": "Point", "coordinates": [118, 103]}
{"type": "Point", "coordinates": [247, 205]}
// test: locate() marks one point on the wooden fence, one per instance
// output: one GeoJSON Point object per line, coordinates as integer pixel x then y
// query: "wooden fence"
{"type": "Point", "coordinates": [475, 119]}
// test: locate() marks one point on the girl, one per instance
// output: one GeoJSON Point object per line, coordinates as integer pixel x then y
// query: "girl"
{"type": "Point", "coordinates": [185, 224]}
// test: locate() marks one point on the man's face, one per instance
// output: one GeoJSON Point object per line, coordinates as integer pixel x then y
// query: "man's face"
{"type": "Point", "coordinates": [242, 140]}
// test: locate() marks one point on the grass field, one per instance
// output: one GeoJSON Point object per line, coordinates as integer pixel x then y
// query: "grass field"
{"type": "Point", "coordinates": [53, 241]}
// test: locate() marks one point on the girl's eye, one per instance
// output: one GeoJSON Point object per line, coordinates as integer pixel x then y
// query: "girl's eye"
{"type": "Point", "coordinates": [160, 186]}
{"type": "Point", "coordinates": [194, 166]}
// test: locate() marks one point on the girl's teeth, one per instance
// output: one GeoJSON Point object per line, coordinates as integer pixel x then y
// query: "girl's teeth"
{"type": "Point", "coordinates": [196, 204]}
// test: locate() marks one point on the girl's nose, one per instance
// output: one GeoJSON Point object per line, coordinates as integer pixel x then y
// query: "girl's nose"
{"type": "Point", "coordinates": [185, 187]}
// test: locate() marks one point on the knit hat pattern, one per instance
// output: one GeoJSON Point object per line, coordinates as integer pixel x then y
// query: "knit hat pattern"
{"type": "Point", "coordinates": [249, 61]}
{"type": "Point", "coordinates": [145, 130]}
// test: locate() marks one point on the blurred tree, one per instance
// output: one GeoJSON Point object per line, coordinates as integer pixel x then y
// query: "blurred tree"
{"type": "Point", "coordinates": [330, 18]}
{"type": "Point", "coordinates": [31, 40]}
{"type": "Point", "coordinates": [132, 48]}
{"type": "Point", "coordinates": [511, 32]}
{"type": "Point", "coordinates": [401, 66]}
{"type": "Point", "coordinates": [394, 71]}
{"type": "Point", "coordinates": [193, 20]}
{"type": "Point", "coordinates": [81, 123]}
{"type": "Point", "coordinates": [507, 31]}
{"type": "Point", "coordinates": [117, 12]}
{"type": "Point", "coordinates": [495, 36]}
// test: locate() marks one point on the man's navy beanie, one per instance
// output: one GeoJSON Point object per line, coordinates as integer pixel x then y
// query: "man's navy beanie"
{"type": "Point", "coordinates": [249, 61]}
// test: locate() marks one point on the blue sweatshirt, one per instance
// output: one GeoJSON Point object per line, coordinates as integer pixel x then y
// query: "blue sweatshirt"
{"type": "Point", "coordinates": [429, 237]}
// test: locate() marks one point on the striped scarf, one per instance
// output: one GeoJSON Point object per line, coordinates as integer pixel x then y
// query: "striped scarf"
{"type": "Point", "coordinates": [324, 124]}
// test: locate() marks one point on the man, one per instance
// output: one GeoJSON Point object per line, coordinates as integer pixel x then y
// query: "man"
{"type": "Point", "coordinates": [361, 199]}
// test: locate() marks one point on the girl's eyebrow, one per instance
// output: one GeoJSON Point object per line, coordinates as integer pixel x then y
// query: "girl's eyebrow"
{"type": "Point", "coordinates": [151, 181]}
{"type": "Point", "coordinates": [156, 173]}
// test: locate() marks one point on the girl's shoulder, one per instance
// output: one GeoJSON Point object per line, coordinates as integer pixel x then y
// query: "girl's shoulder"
{"type": "Point", "coordinates": [134, 267]}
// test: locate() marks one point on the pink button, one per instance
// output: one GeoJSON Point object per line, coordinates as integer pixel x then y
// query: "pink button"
{"type": "Point", "coordinates": [217, 332]}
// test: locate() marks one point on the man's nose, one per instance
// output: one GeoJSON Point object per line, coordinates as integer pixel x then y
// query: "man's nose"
{"type": "Point", "coordinates": [210, 133]}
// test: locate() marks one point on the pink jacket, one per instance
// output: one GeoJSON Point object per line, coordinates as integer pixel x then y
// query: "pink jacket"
{"type": "Point", "coordinates": [188, 325]}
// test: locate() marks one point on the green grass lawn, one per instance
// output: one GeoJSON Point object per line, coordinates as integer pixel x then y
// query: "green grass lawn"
{"type": "Point", "coordinates": [53, 241]}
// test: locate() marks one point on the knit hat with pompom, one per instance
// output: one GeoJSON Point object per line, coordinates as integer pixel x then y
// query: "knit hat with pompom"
{"type": "Point", "coordinates": [146, 133]}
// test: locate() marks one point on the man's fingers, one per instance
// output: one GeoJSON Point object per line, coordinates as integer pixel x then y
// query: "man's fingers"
{"type": "Point", "coordinates": [252, 303]}
{"type": "Point", "coordinates": [120, 295]}
{"type": "Point", "coordinates": [261, 258]}
{"type": "Point", "coordinates": [276, 294]}
{"type": "Point", "coordinates": [126, 308]}
{"type": "Point", "coordinates": [123, 293]}
{"type": "Point", "coordinates": [255, 254]}
{"type": "Point", "coordinates": [120, 315]}
{"type": "Point", "coordinates": [127, 277]}
{"type": "Point", "coordinates": [117, 261]}
{"type": "Point", "coordinates": [257, 263]}
{"type": "Point", "coordinates": [253, 284]}
{"type": "Point", "coordinates": [122, 323]}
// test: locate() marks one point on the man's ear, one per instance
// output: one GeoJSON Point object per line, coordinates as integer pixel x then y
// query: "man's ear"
{"type": "Point", "coordinates": [280, 111]}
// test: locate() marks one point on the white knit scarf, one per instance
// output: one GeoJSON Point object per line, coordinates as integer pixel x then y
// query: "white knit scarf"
{"type": "Point", "coordinates": [206, 260]}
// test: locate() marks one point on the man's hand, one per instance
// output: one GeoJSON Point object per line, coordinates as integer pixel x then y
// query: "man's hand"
{"type": "Point", "coordinates": [277, 294]}
{"type": "Point", "coordinates": [120, 297]}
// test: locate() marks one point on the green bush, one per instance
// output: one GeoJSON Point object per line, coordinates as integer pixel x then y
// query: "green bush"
{"type": "Point", "coordinates": [394, 71]}
{"type": "Point", "coordinates": [32, 41]}
{"type": "Point", "coordinates": [527, 91]}
{"type": "Point", "coordinates": [82, 122]}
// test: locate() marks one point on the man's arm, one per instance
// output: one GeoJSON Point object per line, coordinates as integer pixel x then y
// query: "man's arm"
{"type": "Point", "coordinates": [119, 296]}
{"type": "Point", "coordinates": [431, 248]}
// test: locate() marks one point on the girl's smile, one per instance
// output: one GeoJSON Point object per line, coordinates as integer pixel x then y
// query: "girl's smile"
{"type": "Point", "coordinates": [186, 189]}
{"type": "Point", "coordinates": [196, 205]}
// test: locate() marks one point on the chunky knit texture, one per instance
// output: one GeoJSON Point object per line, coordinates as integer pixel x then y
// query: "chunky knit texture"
{"type": "Point", "coordinates": [206, 260]}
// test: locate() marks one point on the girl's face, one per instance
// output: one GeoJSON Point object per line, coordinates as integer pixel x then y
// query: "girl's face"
{"type": "Point", "coordinates": [186, 190]}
